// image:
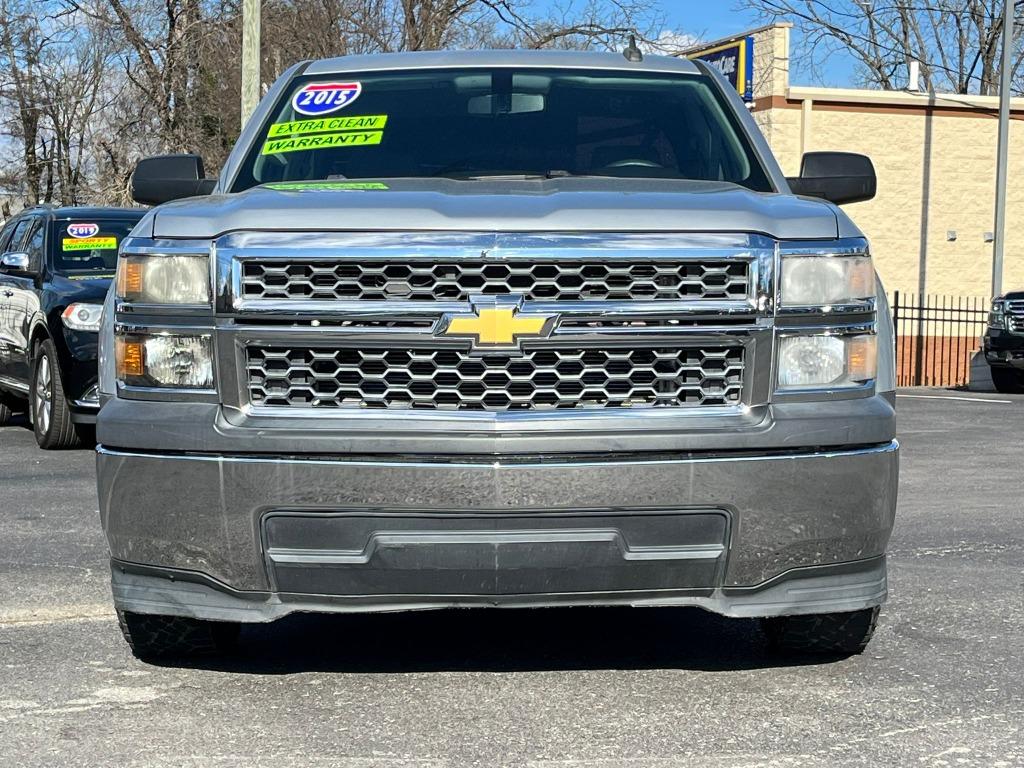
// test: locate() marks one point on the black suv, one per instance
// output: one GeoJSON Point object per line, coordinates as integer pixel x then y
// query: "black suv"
{"type": "Point", "coordinates": [1004, 342]}
{"type": "Point", "coordinates": [55, 267]}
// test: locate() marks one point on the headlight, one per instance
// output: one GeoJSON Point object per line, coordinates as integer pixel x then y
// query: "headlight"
{"type": "Point", "coordinates": [820, 361]}
{"type": "Point", "coordinates": [997, 317]}
{"type": "Point", "coordinates": [164, 279]}
{"type": "Point", "coordinates": [165, 360]}
{"type": "Point", "coordinates": [816, 281]}
{"type": "Point", "coordinates": [82, 317]}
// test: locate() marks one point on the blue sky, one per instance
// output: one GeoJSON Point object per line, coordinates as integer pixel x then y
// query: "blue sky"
{"type": "Point", "coordinates": [712, 19]}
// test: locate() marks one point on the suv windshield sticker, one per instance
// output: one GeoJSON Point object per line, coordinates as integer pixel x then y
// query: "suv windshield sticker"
{"type": "Point", "coordinates": [322, 141]}
{"type": "Point", "coordinates": [323, 98]}
{"type": "Point", "coordinates": [83, 230]}
{"type": "Point", "coordinates": [292, 186]}
{"type": "Point", "coordinates": [305, 127]}
{"type": "Point", "coordinates": [80, 243]}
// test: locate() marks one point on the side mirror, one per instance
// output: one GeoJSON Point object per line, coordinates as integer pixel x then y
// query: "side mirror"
{"type": "Point", "coordinates": [839, 177]}
{"type": "Point", "coordinates": [15, 262]}
{"type": "Point", "coordinates": [164, 178]}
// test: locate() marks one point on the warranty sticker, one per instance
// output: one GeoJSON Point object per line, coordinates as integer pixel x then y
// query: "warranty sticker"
{"type": "Point", "coordinates": [90, 244]}
{"type": "Point", "coordinates": [330, 124]}
{"type": "Point", "coordinates": [322, 141]}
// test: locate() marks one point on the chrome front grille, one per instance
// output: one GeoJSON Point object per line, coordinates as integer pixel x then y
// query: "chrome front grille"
{"type": "Point", "coordinates": [457, 280]}
{"type": "Point", "coordinates": [532, 380]}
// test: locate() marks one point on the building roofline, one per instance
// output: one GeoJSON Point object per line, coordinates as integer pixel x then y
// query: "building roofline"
{"type": "Point", "coordinates": [898, 98]}
{"type": "Point", "coordinates": [733, 38]}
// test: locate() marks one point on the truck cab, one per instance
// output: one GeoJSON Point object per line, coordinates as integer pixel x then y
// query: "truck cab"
{"type": "Point", "coordinates": [507, 329]}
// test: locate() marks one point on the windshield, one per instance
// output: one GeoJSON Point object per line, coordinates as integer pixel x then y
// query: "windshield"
{"type": "Point", "coordinates": [473, 123]}
{"type": "Point", "coordinates": [88, 246]}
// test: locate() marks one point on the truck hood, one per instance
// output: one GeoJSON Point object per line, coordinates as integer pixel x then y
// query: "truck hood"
{"type": "Point", "coordinates": [500, 205]}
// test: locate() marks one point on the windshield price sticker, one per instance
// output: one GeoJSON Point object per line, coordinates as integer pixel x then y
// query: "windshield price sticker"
{"type": "Point", "coordinates": [305, 127]}
{"type": "Point", "coordinates": [323, 141]}
{"type": "Point", "coordinates": [83, 230]}
{"type": "Point", "coordinates": [324, 98]}
{"type": "Point", "coordinates": [80, 243]}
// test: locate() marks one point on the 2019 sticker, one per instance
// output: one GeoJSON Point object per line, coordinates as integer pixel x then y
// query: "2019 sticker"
{"type": "Point", "coordinates": [317, 99]}
{"type": "Point", "coordinates": [83, 243]}
{"type": "Point", "coordinates": [83, 230]}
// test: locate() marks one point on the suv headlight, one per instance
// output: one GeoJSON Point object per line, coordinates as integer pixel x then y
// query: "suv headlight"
{"type": "Point", "coordinates": [82, 317]}
{"type": "Point", "coordinates": [165, 360]}
{"type": "Point", "coordinates": [821, 281]}
{"type": "Point", "coordinates": [997, 317]}
{"type": "Point", "coordinates": [159, 279]}
{"type": "Point", "coordinates": [827, 361]}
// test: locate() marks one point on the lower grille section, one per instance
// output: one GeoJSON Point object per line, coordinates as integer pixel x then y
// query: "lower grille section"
{"type": "Point", "coordinates": [531, 380]}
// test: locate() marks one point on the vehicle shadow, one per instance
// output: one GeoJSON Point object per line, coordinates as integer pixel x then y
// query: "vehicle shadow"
{"type": "Point", "coordinates": [527, 640]}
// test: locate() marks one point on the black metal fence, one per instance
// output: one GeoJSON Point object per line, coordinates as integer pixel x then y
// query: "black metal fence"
{"type": "Point", "coordinates": [936, 337]}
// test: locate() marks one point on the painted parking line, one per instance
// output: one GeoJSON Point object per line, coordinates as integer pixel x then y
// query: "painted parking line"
{"type": "Point", "coordinates": [953, 397]}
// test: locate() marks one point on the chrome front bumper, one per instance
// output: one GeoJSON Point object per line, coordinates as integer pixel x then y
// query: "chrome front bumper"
{"type": "Point", "coordinates": [255, 537]}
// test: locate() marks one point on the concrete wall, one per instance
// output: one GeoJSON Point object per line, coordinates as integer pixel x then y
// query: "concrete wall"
{"type": "Point", "coordinates": [935, 156]}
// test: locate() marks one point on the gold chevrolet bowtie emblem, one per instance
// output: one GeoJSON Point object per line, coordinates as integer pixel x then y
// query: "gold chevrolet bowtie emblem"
{"type": "Point", "coordinates": [500, 326]}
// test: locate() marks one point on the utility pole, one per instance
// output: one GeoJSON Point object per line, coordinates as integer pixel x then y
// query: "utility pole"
{"type": "Point", "coordinates": [1002, 162]}
{"type": "Point", "coordinates": [251, 57]}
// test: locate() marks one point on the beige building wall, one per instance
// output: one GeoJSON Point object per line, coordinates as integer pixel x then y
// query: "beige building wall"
{"type": "Point", "coordinates": [935, 156]}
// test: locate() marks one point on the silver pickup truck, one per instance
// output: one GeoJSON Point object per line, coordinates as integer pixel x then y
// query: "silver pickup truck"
{"type": "Point", "coordinates": [507, 329]}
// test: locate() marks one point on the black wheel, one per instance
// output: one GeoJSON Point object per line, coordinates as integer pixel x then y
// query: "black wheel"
{"type": "Point", "coordinates": [51, 417]}
{"type": "Point", "coordinates": [151, 636]}
{"type": "Point", "coordinates": [833, 633]}
{"type": "Point", "coordinates": [1009, 381]}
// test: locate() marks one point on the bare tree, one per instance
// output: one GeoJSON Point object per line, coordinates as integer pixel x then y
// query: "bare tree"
{"type": "Point", "coordinates": [956, 41]}
{"type": "Point", "coordinates": [22, 42]}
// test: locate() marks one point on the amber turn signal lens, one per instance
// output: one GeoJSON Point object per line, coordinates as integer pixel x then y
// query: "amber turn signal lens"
{"type": "Point", "coordinates": [129, 279]}
{"type": "Point", "coordinates": [862, 358]}
{"type": "Point", "coordinates": [130, 358]}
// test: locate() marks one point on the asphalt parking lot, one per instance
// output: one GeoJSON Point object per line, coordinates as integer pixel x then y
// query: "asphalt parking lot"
{"type": "Point", "coordinates": [941, 685]}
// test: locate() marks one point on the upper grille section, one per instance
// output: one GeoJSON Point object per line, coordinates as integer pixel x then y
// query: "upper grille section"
{"type": "Point", "coordinates": [457, 280]}
{"type": "Point", "coordinates": [531, 380]}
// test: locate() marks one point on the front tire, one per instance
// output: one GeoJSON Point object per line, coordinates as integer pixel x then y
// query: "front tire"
{"type": "Point", "coordinates": [151, 636]}
{"type": "Point", "coordinates": [1008, 381]}
{"type": "Point", "coordinates": [51, 416]}
{"type": "Point", "coordinates": [828, 633]}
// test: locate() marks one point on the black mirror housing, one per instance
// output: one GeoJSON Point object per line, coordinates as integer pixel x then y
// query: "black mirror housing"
{"type": "Point", "coordinates": [839, 177]}
{"type": "Point", "coordinates": [163, 178]}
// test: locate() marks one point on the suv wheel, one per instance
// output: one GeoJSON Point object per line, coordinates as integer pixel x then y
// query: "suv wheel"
{"type": "Point", "coordinates": [1009, 381]}
{"type": "Point", "coordinates": [833, 633]}
{"type": "Point", "coordinates": [51, 417]}
{"type": "Point", "coordinates": [152, 636]}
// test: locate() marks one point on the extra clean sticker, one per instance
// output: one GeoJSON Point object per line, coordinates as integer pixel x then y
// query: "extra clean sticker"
{"type": "Point", "coordinates": [80, 243]}
{"type": "Point", "coordinates": [83, 230]}
{"type": "Point", "coordinates": [324, 98]}
{"type": "Point", "coordinates": [306, 127]}
{"type": "Point", "coordinates": [322, 141]}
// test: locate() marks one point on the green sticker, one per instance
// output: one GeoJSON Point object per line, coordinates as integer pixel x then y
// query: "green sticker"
{"type": "Point", "coordinates": [326, 125]}
{"type": "Point", "coordinates": [322, 141]}
{"type": "Point", "coordinates": [90, 244]}
{"type": "Point", "coordinates": [288, 186]}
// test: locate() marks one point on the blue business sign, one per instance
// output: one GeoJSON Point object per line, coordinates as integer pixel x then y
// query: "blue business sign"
{"type": "Point", "coordinates": [735, 60]}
